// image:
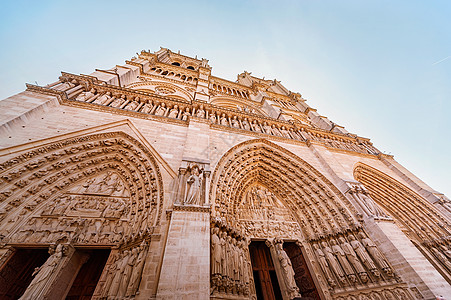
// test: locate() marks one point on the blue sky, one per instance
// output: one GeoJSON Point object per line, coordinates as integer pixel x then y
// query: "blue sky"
{"type": "Point", "coordinates": [382, 69]}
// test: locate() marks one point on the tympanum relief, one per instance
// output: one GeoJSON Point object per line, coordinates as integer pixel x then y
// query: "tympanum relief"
{"type": "Point", "coordinates": [94, 211]}
{"type": "Point", "coordinates": [261, 214]}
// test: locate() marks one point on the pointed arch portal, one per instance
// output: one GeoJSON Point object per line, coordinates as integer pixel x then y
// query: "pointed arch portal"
{"type": "Point", "coordinates": [82, 197]}
{"type": "Point", "coordinates": [426, 227]}
{"type": "Point", "coordinates": [262, 192]}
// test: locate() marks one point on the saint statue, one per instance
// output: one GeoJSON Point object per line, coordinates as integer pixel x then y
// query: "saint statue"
{"type": "Point", "coordinates": [43, 273]}
{"type": "Point", "coordinates": [288, 272]}
{"type": "Point", "coordinates": [193, 187]}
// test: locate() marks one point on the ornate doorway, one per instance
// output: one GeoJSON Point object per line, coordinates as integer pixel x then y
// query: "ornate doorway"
{"type": "Point", "coordinates": [303, 278]}
{"type": "Point", "coordinates": [265, 278]}
{"type": "Point", "coordinates": [16, 273]}
{"type": "Point", "coordinates": [89, 275]}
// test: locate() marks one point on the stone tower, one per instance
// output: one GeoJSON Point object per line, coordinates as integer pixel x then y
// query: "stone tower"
{"type": "Point", "coordinates": [157, 180]}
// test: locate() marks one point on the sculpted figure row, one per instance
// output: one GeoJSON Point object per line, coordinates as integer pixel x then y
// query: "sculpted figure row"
{"type": "Point", "coordinates": [76, 230]}
{"type": "Point", "coordinates": [134, 103]}
{"type": "Point", "coordinates": [350, 260]}
{"type": "Point", "coordinates": [124, 273]}
{"type": "Point", "coordinates": [229, 263]}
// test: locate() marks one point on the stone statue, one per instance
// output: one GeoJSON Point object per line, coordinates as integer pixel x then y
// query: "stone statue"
{"type": "Point", "coordinates": [216, 252]}
{"type": "Point", "coordinates": [287, 270]}
{"type": "Point", "coordinates": [333, 262]}
{"type": "Point", "coordinates": [352, 258]}
{"type": "Point", "coordinates": [235, 259]}
{"type": "Point", "coordinates": [341, 256]}
{"type": "Point", "coordinates": [223, 243]}
{"type": "Point", "coordinates": [246, 125]}
{"type": "Point", "coordinates": [115, 285]}
{"type": "Point", "coordinates": [103, 99]}
{"type": "Point", "coordinates": [275, 131]}
{"type": "Point", "coordinates": [132, 105]}
{"type": "Point", "coordinates": [173, 113]}
{"type": "Point", "coordinates": [235, 122]}
{"type": "Point", "coordinates": [161, 110]}
{"type": "Point", "coordinates": [224, 120]}
{"type": "Point", "coordinates": [43, 273]}
{"type": "Point", "coordinates": [256, 126]}
{"type": "Point", "coordinates": [110, 275]}
{"type": "Point", "coordinates": [244, 266]}
{"type": "Point", "coordinates": [267, 128]}
{"type": "Point", "coordinates": [213, 118]}
{"type": "Point", "coordinates": [137, 270]}
{"type": "Point", "coordinates": [127, 273]}
{"type": "Point", "coordinates": [193, 187]}
{"type": "Point", "coordinates": [118, 101]}
{"type": "Point", "coordinates": [186, 114]}
{"type": "Point", "coordinates": [375, 253]}
{"type": "Point", "coordinates": [200, 112]}
{"type": "Point", "coordinates": [147, 108]}
{"type": "Point", "coordinates": [363, 255]}
{"type": "Point", "coordinates": [85, 96]}
{"type": "Point", "coordinates": [284, 132]}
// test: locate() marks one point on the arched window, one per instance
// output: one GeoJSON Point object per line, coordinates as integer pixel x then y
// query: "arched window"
{"type": "Point", "coordinates": [190, 67]}
{"type": "Point", "coordinates": [176, 63]}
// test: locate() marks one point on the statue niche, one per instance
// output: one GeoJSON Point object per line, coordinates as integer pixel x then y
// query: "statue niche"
{"type": "Point", "coordinates": [190, 185]}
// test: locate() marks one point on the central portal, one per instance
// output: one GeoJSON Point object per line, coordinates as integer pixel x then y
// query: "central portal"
{"type": "Point", "coordinates": [265, 278]}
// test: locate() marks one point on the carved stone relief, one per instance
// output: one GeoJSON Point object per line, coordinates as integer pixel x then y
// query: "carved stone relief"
{"type": "Point", "coordinates": [95, 189]}
{"type": "Point", "coordinates": [190, 185]}
{"type": "Point", "coordinates": [230, 262]}
{"type": "Point", "coordinates": [362, 197]}
{"type": "Point", "coordinates": [262, 214]}
{"type": "Point", "coordinates": [424, 223]}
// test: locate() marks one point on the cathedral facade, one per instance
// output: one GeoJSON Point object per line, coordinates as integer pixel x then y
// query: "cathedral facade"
{"type": "Point", "coordinates": [157, 180]}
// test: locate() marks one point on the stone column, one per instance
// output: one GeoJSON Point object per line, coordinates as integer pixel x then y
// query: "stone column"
{"type": "Point", "coordinates": [284, 270]}
{"type": "Point", "coordinates": [185, 272]}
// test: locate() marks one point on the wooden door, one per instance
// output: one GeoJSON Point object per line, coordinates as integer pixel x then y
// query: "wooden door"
{"type": "Point", "coordinates": [302, 275]}
{"type": "Point", "coordinates": [88, 276]}
{"type": "Point", "coordinates": [265, 278]}
{"type": "Point", "coordinates": [16, 273]}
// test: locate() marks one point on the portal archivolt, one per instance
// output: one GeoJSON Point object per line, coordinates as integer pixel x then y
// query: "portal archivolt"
{"type": "Point", "coordinates": [426, 227]}
{"type": "Point", "coordinates": [260, 191]}
{"type": "Point", "coordinates": [315, 203]}
{"type": "Point", "coordinates": [79, 186]}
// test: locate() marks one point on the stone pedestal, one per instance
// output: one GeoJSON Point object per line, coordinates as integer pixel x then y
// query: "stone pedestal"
{"type": "Point", "coordinates": [185, 273]}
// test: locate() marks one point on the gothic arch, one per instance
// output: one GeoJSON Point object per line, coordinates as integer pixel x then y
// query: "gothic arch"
{"type": "Point", "coordinates": [428, 229]}
{"type": "Point", "coordinates": [66, 171]}
{"type": "Point", "coordinates": [318, 206]}
{"type": "Point", "coordinates": [326, 222]}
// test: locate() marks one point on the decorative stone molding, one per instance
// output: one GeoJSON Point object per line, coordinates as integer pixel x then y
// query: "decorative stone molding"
{"type": "Point", "coordinates": [424, 223]}
{"type": "Point", "coordinates": [151, 105]}
{"type": "Point", "coordinates": [96, 189]}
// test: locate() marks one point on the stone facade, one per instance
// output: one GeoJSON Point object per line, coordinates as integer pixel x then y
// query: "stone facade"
{"type": "Point", "coordinates": [157, 180]}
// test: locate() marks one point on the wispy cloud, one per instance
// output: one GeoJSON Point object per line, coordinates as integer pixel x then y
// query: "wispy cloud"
{"type": "Point", "coordinates": [437, 62]}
